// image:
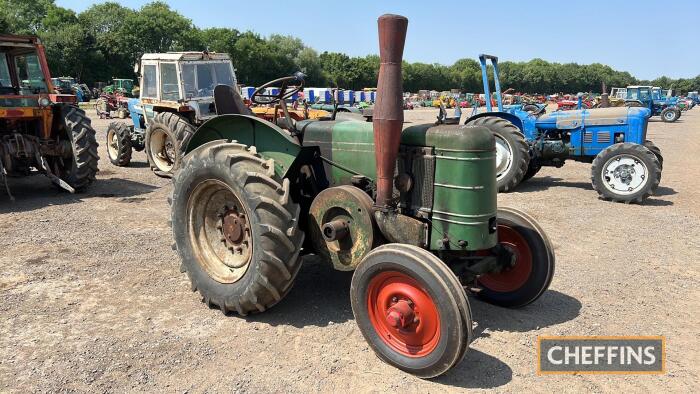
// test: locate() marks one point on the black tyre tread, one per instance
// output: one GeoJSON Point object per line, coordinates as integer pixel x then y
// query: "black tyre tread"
{"type": "Point", "coordinates": [641, 151]}
{"type": "Point", "coordinates": [123, 133]}
{"type": "Point", "coordinates": [656, 151]}
{"type": "Point", "coordinates": [84, 144]}
{"type": "Point", "coordinates": [502, 126]}
{"type": "Point", "coordinates": [180, 128]}
{"type": "Point", "coordinates": [536, 226]}
{"type": "Point", "coordinates": [522, 219]}
{"type": "Point", "coordinates": [666, 110]}
{"type": "Point", "coordinates": [532, 170]}
{"type": "Point", "coordinates": [277, 268]}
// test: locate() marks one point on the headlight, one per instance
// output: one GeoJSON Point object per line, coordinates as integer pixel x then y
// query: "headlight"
{"type": "Point", "coordinates": [44, 102]}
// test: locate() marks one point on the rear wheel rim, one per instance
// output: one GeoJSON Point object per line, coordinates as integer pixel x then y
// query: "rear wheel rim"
{"type": "Point", "coordinates": [625, 174]}
{"type": "Point", "coordinates": [669, 115]}
{"type": "Point", "coordinates": [112, 144]}
{"type": "Point", "coordinates": [403, 314]}
{"type": "Point", "coordinates": [514, 277]}
{"type": "Point", "coordinates": [504, 157]}
{"type": "Point", "coordinates": [219, 231]}
{"type": "Point", "coordinates": [162, 150]}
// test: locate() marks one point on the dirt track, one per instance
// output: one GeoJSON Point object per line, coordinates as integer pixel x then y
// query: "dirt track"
{"type": "Point", "coordinates": [91, 298]}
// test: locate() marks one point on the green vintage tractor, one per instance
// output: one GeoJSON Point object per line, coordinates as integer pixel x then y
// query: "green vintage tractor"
{"type": "Point", "coordinates": [412, 212]}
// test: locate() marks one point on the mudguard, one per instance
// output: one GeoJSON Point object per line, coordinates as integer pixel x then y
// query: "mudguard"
{"type": "Point", "coordinates": [270, 141]}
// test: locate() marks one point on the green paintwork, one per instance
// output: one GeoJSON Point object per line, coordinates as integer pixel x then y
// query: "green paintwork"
{"type": "Point", "coordinates": [270, 141]}
{"type": "Point", "coordinates": [465, 172]}
{"type": "Point", "coordinates": [464, 198]}
{"type": "Point", "coordinates": [348, 144]}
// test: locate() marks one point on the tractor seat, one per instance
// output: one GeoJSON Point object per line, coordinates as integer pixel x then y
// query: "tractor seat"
{"type": "Point", "coordinates": [228, 101]}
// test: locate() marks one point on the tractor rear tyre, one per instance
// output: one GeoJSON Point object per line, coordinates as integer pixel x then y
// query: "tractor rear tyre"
{"type": "Point", "coordinates": [119, 144]}
{"type": "Point", "coordinates": [656, 151]}
{"type": "Point", "coordinates": [78, 171]}
{"type": "Point", "coordinates": [670, 115]}
{"type": "Point", "coordinates": [533, 268]}
{"type": "Point", "coordinates": [167, 137]}
{"type": "Point", "coordinates": [626, 173]}
{"type": "Point", "coordinates": [411, 309]}
{"type": "Point", "coordinates": [235, 228]}
{"type": "Point", "coordinates": [532, 169]}
{"type": "Point", "coordinates": [512, 151]}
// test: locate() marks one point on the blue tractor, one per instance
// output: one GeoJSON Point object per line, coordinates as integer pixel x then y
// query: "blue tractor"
{"type": "Point", "coordinates": [122, 138]}
{"type": "Point", "coordinates": [651, 98]}
{"type": "Point", "coordinates": [626, 167]}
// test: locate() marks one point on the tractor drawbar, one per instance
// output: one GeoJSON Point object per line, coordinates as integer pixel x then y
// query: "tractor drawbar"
{"type": "Point", "coordinates": [388, 110]}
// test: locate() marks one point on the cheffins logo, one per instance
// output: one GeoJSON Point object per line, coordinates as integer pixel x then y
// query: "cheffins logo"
{"type": "Point", "coordinates": [601, 355]}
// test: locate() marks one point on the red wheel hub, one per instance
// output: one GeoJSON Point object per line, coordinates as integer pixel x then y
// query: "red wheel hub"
{"type": "Point", "coordinates": [403, 314]}
{"type": "Point", "coordinates": [514, 277]}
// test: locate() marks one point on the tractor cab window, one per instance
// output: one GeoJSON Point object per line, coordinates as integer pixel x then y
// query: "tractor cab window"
{"type": "Point", "coordinates": [5, 80]}
{"type": "Point", "coordinates": [644, 94]}
{"type": "Point", "coordinates": [30, 74]}
{"type": "Point", "coordinates": [150, 87]}
{"type": "Point", "coordinates": [169, 89]}
{"type": "Point", "coordinates": [656, 94]}
{"type": "Point", "coordinates": [200, 79]}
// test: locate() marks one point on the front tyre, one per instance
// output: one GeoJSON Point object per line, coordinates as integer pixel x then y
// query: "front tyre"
{"type": "Point", "coordinates": [532, 268]}
{"type": "Point", "coordinates": [235, 228]}
{"type": "Point", "coordinates": [411, 309]}
{"type": "Point", "coordinates": [119, 144]}
{"type": "Point", "coordinates": [670, 115]}
{"type": "Point", "coordinates": [167, 137]}
{"type": "Point", "coordinates": [626, 173]}
{"type": "Point", "coordinates": [512, 151]}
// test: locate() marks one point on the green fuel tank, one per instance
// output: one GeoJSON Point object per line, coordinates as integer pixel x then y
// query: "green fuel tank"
{"type": "Point", "coordinates": [446, 173]}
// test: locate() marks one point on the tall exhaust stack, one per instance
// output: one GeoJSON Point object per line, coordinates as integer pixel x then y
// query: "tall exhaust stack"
{"type": "Point", "coordinates": [388, 109]}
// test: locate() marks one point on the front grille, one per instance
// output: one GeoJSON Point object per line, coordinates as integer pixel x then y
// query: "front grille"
{"type": "Point", "coordinates": [419, 163]}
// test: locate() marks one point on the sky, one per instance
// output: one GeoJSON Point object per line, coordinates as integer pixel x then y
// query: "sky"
{"type": "Point", "coordinates": [645, 37]}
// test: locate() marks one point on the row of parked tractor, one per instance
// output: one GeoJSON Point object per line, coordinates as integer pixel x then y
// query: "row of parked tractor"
{"type": "Point", "coordinates": [260, 180]}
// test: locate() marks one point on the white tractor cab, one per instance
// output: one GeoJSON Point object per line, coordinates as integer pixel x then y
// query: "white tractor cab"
{"type": "Point", "coordinates": [177, 94]}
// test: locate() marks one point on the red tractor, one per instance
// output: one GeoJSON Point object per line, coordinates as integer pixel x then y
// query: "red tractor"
{"type": "Point", "coordinates": [40, 131]}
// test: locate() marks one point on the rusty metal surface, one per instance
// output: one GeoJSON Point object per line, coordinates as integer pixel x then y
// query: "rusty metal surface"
{"type": "Point", "coordinates": [388, 109]}
{"type": "Point", "coordinates": [401, 228]}
{"type": "Point", "coordinates": [351, 206]}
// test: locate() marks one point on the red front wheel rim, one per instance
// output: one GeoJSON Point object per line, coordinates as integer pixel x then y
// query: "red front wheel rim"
{"type": "Point", "coordinates": [511, 278]}
{"type": "Point", "coordinates": [403, 314]}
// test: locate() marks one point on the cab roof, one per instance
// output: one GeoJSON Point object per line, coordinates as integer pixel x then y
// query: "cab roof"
{"type": "Point", "coordinates": [175, 56]}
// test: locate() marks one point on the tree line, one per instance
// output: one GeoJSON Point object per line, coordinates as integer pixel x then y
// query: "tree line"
{"type": "Point", "coordinates": [105, 41]}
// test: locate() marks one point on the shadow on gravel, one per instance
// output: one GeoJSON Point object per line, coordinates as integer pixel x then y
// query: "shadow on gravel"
{"type": "Point", "coordinates": [320, 295]}
{"type": "Point", "coordinates": [477, 370]}
{"type": "Point", "coordinates": [37, 191]}
{"type": "Point", "coordinates": [546, 182]}
{"type": "Point", "coordinates": [550, 309]}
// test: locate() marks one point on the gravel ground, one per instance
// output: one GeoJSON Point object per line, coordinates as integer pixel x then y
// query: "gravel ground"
{"type": "Point", "coordinates": [91, 298]}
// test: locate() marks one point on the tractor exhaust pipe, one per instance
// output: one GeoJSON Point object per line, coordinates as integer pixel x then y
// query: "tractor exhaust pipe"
{"type": "Point", "coordinates": [388, 109]}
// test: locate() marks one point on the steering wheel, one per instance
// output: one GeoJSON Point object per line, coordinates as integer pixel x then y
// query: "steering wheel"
{"type": "Point", "coordinates": [288, 87]}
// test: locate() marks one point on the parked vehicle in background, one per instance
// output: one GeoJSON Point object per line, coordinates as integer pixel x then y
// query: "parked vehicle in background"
{"type": "Point", "coordinates": [41, 131]}
{"type": "Point", "coordinates": [643, 96]}
{"type": "Point", "coordinates": [176, 95]}
{"type": "Point", "coordinates": [626, 167]}
{"type": "Point", "coordinates": [122, 86]}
